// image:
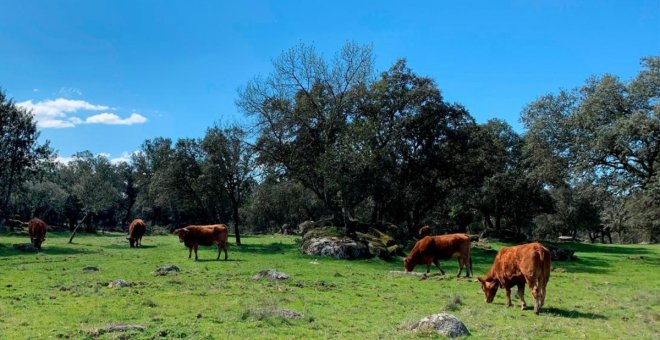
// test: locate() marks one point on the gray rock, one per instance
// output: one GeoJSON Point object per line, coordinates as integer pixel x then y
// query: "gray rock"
{"type": "Point", "coordinates": [119, 283]}
{"type": "Point", "coordinates": [116, 328]}
{"type": "Point", "coordinates": [285, 313]}
{"type": "Point", "coordinates": [270, 274]}
{"type": "Point", "coordinates": [90, 269]}
{"type": "Point", "coordinates": [25, 247]}
{"type": "Point", "coordinates": [337, 247]}
{"type": "Point", "coordinates": [445, 324]}
{"type": "Point", "coordinates": [561, 254]}
{"type": "Point", "coordinates": [167, 270]}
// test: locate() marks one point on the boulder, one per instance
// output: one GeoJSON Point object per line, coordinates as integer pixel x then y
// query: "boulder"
{"type": "Point", "coordinates": [335, 246]}
{"type": "Point", "coordinates": [25, 247]}
{"type": "Point", "coordinates": [167, 270]}
{"type": "Point", "coordinates": [116, 328]}
{"type": "Point", "coordinates": [445, 324]}
{"type": "Point", "coordinates": [119, 283]}
{"type": "Point", "coordinates": [270, 274]}
{"type": "Point", "coordinates": [561, 254]}
{"type": "Point", "coordinates": [285, 313]}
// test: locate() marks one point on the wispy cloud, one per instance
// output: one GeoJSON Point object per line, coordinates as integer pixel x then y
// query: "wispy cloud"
{"type": "Point", "coordinates": [113, 119]}
{"type": "Point", "coordinates": [65, 113]}
{"type": "Point", "coordinates": [70, 92]}
{"type": "Point", "coordinates": [59, 107]}
{"type": "Point", "coordinates": [125, 157]}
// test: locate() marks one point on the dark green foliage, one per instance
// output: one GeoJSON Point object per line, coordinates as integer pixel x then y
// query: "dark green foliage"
{"type": "Point", "coordinates": [20, 152]}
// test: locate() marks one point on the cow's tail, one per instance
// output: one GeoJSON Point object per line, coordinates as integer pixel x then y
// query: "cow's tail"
{"type": "Point", "coordinates": [470, 257]}
{"type": "Point", "coordinates": [544, 275]}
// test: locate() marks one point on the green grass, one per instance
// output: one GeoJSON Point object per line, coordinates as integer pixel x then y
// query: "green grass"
{"type": "Point", "coordinates": [612, 291]}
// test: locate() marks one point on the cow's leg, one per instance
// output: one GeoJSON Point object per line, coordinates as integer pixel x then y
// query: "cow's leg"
{"type": "Point", "coordinates": [437, 264]}
{"type": "Point", "coordinates": [508, 296]}
{"type": "Point", "coordinates": [219, 248]}
{"type": "Point", "coordinates": [460, 266]}
{"type": "Point", "coordinates": [196, 246]}
{"type": "Point", "coordinates": [521, 295]}
{"type": "Point", "coordinates": [537, 299]}
{"type": "Point", "coordinates": [189, 252]}
{"type": "Point", "coordinates": [225, 249]}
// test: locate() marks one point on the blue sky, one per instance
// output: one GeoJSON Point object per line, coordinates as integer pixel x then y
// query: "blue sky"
{"type": "Point", "coordinates": [106, 75]}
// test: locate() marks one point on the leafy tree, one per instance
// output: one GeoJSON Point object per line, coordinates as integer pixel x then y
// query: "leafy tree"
{"type": "Point", "coordinates": [96, 182]}
{"type": "Point", "coordinates": [229, 165]}
{"type": "Point", "coordinates": [20, 151]}
{"type": "Point", "coordinates": [302, 110]}
{"type": "Point", "coordinates": [604, 133]}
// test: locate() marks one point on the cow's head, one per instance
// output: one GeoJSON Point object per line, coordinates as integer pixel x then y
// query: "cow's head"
{"type": "Point", "coordinates": [181, 232]}
{"type": "Point", "coordinates": [489, 286]}
{"type": "Point", "coordinates": [36, 242]}
{"type": "Point", "coordinates": [408, 265]}
{"type": "Point", "coordinates": [131, 241]}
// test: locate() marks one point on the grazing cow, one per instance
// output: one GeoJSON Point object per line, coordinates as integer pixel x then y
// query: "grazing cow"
{"type": "Point", "coordinates": [37, 230]}
{"type": "Point", "coordinates": [135, 232]}
{"type": "Point", "coordinates": [205, 235]}
{"type": "Point", "coordinates": [515, 266]}
{"type": "Point", "coordinates": [432, 249]}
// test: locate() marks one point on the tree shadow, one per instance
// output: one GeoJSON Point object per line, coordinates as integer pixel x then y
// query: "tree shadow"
{"type": "Point", "coordinates": [267, 248]}
{"type": "Point", "coordinates": [220, 260]}
{"type": "Point", "coordinates": [616, 249]}
{"type": "Point", "coordinates": [583, 265]}
{"type": "Point", "coordinates": [10, 250]}
{"type": "Point", "coordinates": [127, 246]}
{"type": "Point", "coordinates": [573, 314]}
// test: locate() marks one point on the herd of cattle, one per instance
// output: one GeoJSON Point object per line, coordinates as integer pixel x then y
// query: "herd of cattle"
{"type": "Point", "coordinates": [513, 266]}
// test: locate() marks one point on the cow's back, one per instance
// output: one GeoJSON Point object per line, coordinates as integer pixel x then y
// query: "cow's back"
{"type": "Point", "coordinates": [37, 228]}
{"type": "Point", "coordinates": [534, 261]}
{"type": "Point", "coordinates": [207, 235]}
{"type": "Point", "coordinates": [137, 228]}
{"type": "Point", "coordinates": [517, 262]}
{"type": "Point", "coordinates": [449, 246]}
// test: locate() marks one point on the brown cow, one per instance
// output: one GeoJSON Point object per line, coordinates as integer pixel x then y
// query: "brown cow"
{"type": "Point", "coordinates": [205, 235]}
{"type": "Point", "coordinates": [515, 266]}
{"type": "Point", "coordinates": [37, 230]}
{"type": "Point", "coordinates": [135, 232]}
{"type": "Point", "coordinates": [432, 249]}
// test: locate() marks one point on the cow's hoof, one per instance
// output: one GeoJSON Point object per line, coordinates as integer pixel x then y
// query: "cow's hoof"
{"type": "Point", "coordinates": [523, 307]}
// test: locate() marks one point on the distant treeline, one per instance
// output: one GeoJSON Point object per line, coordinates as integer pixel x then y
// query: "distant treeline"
{"type": "Point", "coordinates": [333, 140]}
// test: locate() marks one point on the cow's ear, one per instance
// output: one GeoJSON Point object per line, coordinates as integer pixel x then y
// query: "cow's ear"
{"type": "Point", "coordinates": [480, 279]}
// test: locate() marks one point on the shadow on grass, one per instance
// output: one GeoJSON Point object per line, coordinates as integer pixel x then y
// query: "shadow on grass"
{"type": "Point", "coordinates": [573, 314]}
{"type": "Point", "coordinates": [616, 249]}
{"type": "Point", "coordinates": [265, 249]}
{"type": "Point", "coordinates": [220, 260]}
{"type": "Point", "coordinates": [584, 265]}
{"type": "Point", "coordinates": [126, 246]}
{"type": "Point", "coordinates": [9, 250]}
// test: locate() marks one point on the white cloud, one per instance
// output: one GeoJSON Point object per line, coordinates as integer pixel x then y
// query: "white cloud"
{"type": "Point", "coordinates": [70, 91]}
{"type": "Point", "coordinates": [64, 160]}
{"type": "Point", "coordinates": [56, 113]}
{"type": "Point", "coordinates": [113, 119]}
{"type": "Point", "coordinates": [55, 123]}
{"type": "Point", "coordinates": [58, 107]}
{"type": "Point", "coordinates": [35, 90]}
{"type": "Point", "coordinates": [125, 157]}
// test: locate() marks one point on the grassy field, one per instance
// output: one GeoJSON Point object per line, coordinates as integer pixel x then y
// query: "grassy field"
{"type": "Point", "coordinates": [612, 291]}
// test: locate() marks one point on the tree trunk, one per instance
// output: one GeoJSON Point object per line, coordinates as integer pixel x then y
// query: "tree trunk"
{"type": "Point", "coordinates": [236, 222]}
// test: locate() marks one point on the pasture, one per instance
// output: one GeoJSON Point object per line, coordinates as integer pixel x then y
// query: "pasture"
{"type": "Point", "coordinates": [611, 291]}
